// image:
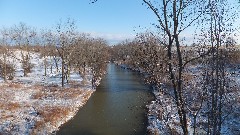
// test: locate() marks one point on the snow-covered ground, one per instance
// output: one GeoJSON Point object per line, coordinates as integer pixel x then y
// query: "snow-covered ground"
{"type": "Point", "coordinates": [163, 117]}
{"type": "Point", "coordinates": [37, 74]}
{"type": "Point", "coordinates": [36, 104]}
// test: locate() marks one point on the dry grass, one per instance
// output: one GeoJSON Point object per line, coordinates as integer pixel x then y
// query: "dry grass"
{"type": "Point", "coordinates": [6, 107]}
{"type": "Point", "coordinates": [51, 115]}
{"type": "Point", "coordinates": [87, 95]}
{"type": "Point", "coordinates": [12, 106]}
{"type": "Point", "coordinates": [9, 105]}
{"type": "Point", "coordinates": [38, 95]}
{"type": "Point", "coordinates": [15, 85]}
{"type": "Point", "coordinates": [57, 92]}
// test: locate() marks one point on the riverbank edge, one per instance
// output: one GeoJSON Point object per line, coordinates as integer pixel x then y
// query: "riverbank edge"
{"type": "Point", "coordinates": [77, 108]}
{"type": "Point", "coordinates": [156, 126]}
{"type": "Point", "coordinates": [71, 115]}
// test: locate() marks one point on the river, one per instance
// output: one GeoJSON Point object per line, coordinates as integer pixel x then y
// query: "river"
{"type": "Point", "coordinates": [116, 108]}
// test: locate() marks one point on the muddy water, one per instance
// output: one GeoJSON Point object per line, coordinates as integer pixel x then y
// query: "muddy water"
{"type": "Point", "coordinates": [116, 108]}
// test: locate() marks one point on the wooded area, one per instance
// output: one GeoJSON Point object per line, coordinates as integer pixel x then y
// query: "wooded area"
{"type": "Point", "coordinates": [69, 49]}
{"type": "Point", "coordinates": [195, 78]}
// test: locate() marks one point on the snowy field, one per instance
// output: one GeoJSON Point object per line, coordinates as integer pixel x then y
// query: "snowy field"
{"type": "Point", "coordinates": [36, 104]}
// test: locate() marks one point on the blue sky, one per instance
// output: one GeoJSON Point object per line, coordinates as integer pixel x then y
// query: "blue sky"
{"type": "Point", "coordinates": [113, 19]}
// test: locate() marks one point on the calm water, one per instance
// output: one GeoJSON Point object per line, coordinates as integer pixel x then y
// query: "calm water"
{"type": "Point", "coordinates": [116, 108]}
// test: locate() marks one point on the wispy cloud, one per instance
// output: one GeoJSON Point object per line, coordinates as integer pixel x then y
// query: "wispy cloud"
{"type": "Point", "coordinates": [112, 38]}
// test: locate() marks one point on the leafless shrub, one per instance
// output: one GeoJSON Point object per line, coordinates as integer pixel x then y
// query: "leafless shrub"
{"type": "Point", "coordinates": [27, 65]}
{"type": "Point", "coordinates": [7, 70]}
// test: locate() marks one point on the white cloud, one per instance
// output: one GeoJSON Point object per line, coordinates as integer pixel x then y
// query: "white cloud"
{"type": "Point", "coordinates": [112, 38]}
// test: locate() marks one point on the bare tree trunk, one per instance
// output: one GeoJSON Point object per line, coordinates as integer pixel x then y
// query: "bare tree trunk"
{"type": "Point", "coordinates": [56, 63]}
{"type": "Point", "coordinates": [5, 66]}
{"type": "Point", "coordinates": [63, 74]}
{"type": "Point", "coordinates": [45, 66]}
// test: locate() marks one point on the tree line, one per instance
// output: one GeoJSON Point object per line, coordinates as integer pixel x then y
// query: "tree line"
{"type": "Point", "coordinates": [69, 50]}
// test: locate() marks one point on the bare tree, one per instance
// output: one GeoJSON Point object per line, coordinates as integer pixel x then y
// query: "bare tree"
{"type": "Point", "coordinates": [92, 54]}
{"type": "Point", "coordinates": [175, 16]}
{"type": "Point", "coordinates": [23, 36]}
{"type": "Point", "coordinates": [216, 81]}
{"type": "Point", "coordinates": [65, 37]}
{"type": "Point", "coordinates": [47, 41]}
{"type": "Point", "coordinates": [7, 70]}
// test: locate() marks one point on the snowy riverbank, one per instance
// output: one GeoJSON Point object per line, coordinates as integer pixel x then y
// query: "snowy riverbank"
{"type": "Point", "coordinates": [163, 117]}
{"type": "Point", "coordinates": [37, 104]}
{"type": "Point", "coordinates": [38, 109]}
{"type": "Point", "coordinates": [162, 112]}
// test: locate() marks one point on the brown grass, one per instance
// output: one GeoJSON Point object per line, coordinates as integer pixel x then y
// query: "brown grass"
{"type": "Point", "coordinates": [86, 95]}
{"type": "Point", "coordinates": [51, 115]}
{"type": "Point", "coordinates": [39, 125]}
{"type": "Point", "coordinates": [15, 85]}
{"type": "Point", "coordinates": [48, 114]}
{"type": "Point", "coordinates": [58, 92]}
{"type": "Point", "coordinates": [11, 106]}
{"type": "Point", "coordinates": [38, 95]}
